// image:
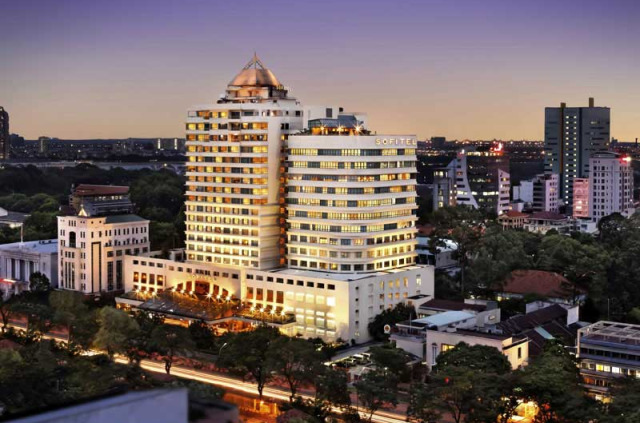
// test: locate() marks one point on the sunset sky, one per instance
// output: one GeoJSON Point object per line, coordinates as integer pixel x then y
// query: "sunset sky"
{"type": "Point", "coordinates": [478, 69]}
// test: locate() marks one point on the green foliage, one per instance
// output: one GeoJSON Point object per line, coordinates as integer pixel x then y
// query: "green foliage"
{"type": "Point", "coordinates": [552, 381]}
{"type": "Point", "coordinates": [115, 329]}
{"type": "Point", "coordinates": [170, 340]}
{"type": "Point", "coordinates": [246, 355]}
{"type": "Point", "coordinates": [623, 407]}
{"type": "Point", "coordinates": [158, 195]}
{"type": "Point", "coordinates": [390, 317]}
{"type": "Point", "coordinates": [39, 282]}
{"type": "Point", "coordinates": [69, 309]}
{"type": "Point", "coordinates": [202, 335]}
{"type": "Point", "coordinates": [377, 389]}
{"type": "Point", "coordinates": [294, 359]}
{"type": "Point", "coordinates": [392, 360]}
{"type": "Point", "coordinates": [469, 382]}
{"type": "Point", "coordinates": [497, 254]}
{"type": "Point", "coordinates": [584, 265]}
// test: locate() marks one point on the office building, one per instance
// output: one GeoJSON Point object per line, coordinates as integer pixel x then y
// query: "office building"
{"type": "Point", "coordinates": [95, 235]}
{"type": "Point", "coordinates": [482, 179]}
{"type": "Point", "coordinates": [235, 171]}
{"type": "Point", "coordinates": [546, 193]}
{"type": "Point", "coordinates": [610, 185]}
{"type": "Point", "coordinates": [581, 198]}
{"type": "Point", "coordinates": [5, 143]}
{"type": "Point", "coordinates": [607, 351]}
{"type": "Point", "coordinates": [444, 186]}
{"type": "Point", "coordinates": [571, 136]}
{"type": "Point", "coordinates": [524, 192]}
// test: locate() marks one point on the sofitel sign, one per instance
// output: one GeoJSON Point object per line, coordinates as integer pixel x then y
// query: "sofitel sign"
{"type": "Point", "coordinates": [396, 141]}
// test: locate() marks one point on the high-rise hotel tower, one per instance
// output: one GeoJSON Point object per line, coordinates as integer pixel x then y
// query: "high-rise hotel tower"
{"type": "Point", "coordinates": [300, 214]}
{"type": "Point", "coordinates": [235, 171]}
{"type": "Point", "coordinates": [351, 202]}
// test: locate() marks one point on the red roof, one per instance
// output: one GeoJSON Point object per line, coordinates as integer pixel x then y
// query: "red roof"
{"type": "Point", "coordinates": [514, 213]}
{"type": "Point", "coordinates": [426, 230]}
{"type": "Point", "coordinates": [546, 284]}
{"type": "Point", "coordinates": [546, 215]}
{"type": "Point", "coordinates": [84, 190]}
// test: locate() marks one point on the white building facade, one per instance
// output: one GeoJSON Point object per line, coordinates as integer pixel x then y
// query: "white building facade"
{"type": "Point", "coordinates": [91, 250]}
{"type": "Point", "coordinates": [318, 228]}
{"type": "Point", "coordinates": [235, 171]}
{"type": "Point", "coordinates": [610, 185]}
{"type": "Point", "coordinates": [546, 193]}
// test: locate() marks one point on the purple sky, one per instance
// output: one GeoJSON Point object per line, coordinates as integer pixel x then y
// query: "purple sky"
{"type": "Point", "coordinates": [462, 69]}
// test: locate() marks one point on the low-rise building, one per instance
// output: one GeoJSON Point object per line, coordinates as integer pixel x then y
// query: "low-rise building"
{"type": "Point", "coordinates": [513, 219]}
{"type": "Point", "coordinates": [19, 260]}
{"type": "Point", "coordinates": [445, 256]}
{"type": "Point", "coordinates": [515, 348]}
{"type": "Point", "coordinates": [607, 351]}
{"type": "Point", "coordinates": [542, 222]}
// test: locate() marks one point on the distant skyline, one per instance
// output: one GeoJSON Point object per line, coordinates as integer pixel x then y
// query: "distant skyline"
{"type": "Point", "coordinates": [461, 69]}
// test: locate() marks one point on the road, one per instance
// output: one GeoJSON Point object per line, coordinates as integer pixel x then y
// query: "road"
{"type": "Point", "coordinates": [231, 383]}
{"type": "Point", "coordinates": [248, 388]}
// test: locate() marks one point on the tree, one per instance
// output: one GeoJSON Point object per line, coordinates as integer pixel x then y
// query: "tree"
{"type": "Point", "coordinates": [421, 404]}
{"type": "Point", "coordinates": [467, 381]}
{"type": "Point", "coordinates": [115, 328]}
{"type": "Point", "coordinates": [202, 335]}
{"type": "Point", "coordinates": [498, 253]}
{"type": "Point", "coordinates": [170, 340]}
{"type": "Point", "coordinates": [331, 387]}
{"type": "Point", "coordinates": [294, 359]}
{"type": "Point", "coordinates": [39, 282]}
{"type": "Point", "coordinates": [5, 311]}
{"type": "Point", "coordinates": [246, 355]}
{"type": "Point", "coordinates": [392, 360]}
{"type": "Point", "coordinates": [39, 317]}
{"type": "Point", "coordinates": [552, 380]}
{"type": "Point", "coordinates": [376, 389]}
{"type": "Point", "coordinates": [583, 265]}
{"type": "Point", "coordinates": [389, 317]}
{"type": "Point", "coordinates": [464, 225]}
{"type": "Point", "coordinates": [68, 308]}
{"type": "Point", "coordinates": [623, 408]}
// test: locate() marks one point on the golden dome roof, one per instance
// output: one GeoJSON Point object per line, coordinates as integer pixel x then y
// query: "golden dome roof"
{"type": "Point", "coordinates": [255, 74]}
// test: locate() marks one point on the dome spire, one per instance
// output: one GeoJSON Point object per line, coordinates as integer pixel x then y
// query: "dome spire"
{"type": "Point", "coordinates": [255, 73]}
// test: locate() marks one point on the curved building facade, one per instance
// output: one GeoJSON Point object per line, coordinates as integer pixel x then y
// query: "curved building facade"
{"type": "Point", "coordinates": [351, 202]}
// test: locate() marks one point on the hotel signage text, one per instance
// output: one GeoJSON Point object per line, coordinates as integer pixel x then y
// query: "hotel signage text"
{"type": "Point", "coordinates": [396, 141]}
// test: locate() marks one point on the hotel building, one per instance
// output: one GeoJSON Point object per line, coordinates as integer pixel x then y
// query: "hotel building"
{"type": "Point", "coordinates": [313, 232]}
{"type": "Point", "coordinates": [571, 136]}
{"type": "Point", "coordinates": [235, 171]}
